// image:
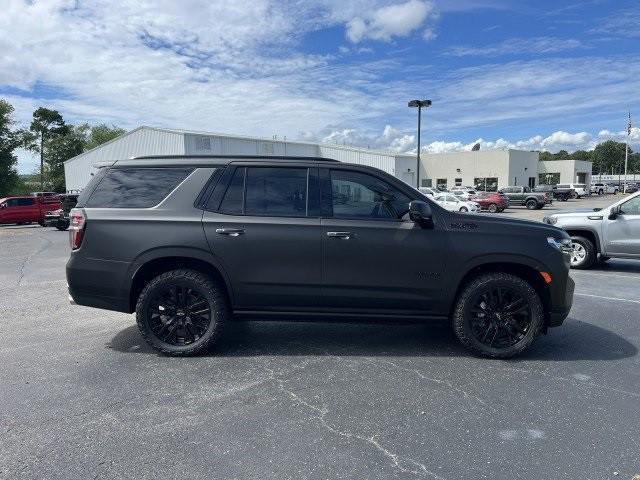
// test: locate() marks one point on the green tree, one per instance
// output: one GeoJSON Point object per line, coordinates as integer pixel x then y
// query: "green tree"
{"type": "Point", "coordinates": [609, 156]}
{"type": "Point", "coordinates": [60, 148]}
{"type": "Point", "coordinates": [561, 155]}
{"type": "Point", "coordinates": [581, 155]}
{"type": "Point", "coordinates": [46, 124]}
{"type": "Point", "coordinates": [545, 156]}
{"type": "Point", "coordinates": [102, 133]}
{"type": "Point", "coordinates": [10, 139]}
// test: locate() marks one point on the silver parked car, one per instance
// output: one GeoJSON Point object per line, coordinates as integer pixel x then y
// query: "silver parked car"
{"type": "Point", "coordinates": [604, 233]}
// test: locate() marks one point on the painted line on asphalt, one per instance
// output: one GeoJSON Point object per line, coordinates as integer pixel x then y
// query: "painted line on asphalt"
{"type": "Point", "coordinates": [598, 274]}
{"type": "Point", "coordinates": [606, 298]}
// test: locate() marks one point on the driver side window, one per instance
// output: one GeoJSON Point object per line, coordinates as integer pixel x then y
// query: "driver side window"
{"type": "Point", "coordinates": [358, 195]}
{"type": "Point", "coordinates": [632, 207]}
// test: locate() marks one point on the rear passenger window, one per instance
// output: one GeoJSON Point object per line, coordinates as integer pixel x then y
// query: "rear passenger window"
{"type": "Point", "coordinates": [275, 191]}
{"type": "Point", "coordinates": [233, 198]}
{"type": "Point", "coordinates": [136, 187]}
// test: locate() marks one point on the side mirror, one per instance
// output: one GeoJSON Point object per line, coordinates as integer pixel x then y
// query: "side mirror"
{"type": "Point", "coordinates": [615, 211]}
{"type": "Point", "coordinates": [420, 212]}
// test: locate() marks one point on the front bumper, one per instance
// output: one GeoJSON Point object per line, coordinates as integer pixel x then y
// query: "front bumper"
{"type": "Point", "coordinates": [562, 300]}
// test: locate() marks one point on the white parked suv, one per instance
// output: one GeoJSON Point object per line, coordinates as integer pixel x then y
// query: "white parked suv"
{"type": "Point", "coordinates": [580, 189]}
{"type": "Point", "coordinates": [602, 233]}
{"type": "Point", "coordinates": [454, 204]}
{"type": "Point", "coordinates": [602, 188]}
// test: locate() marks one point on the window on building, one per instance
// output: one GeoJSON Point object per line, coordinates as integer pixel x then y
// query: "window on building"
{"type": "Point", "coordinates": [486, 184]}
{"type": "Point", "coordinates": [458, 182]}
{"type": "Point", "coordinates": [427, 182]}
{"type": "Point", "coordinates": [549, 178]}
{"type": "Point", "coordinates": [275, 191]}
{"type": "Point", "coordinates": [136, 187]}
{"type": "Point", "coordinates": [358, 195]}
{"type": "Point", "coordinates": [441, 182]}
{"type": "Point", "coordinates": [532, 182]}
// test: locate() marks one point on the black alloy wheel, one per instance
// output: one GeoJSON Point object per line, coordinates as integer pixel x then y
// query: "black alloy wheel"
{"type": "Point", "coordinates": [181, 312]}
{"type": "Point", "coordinates": [178, 315]}
{"type": "Point", "coordinates": [500, 317]}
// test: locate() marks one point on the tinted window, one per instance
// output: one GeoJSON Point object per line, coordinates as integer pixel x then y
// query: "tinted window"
{"type": "Point", "coordinates": [234, 196]}
{"type": "Point", "coordinates": [136, 187]}
{"type": "Point", "coordinates": [279, 192]}
{"type": "Point", "coordinates": [12, 202]}
{"type": "Point", "coordinates": [25, 202]}
{"type": "Point", "coordinates": [360, 195]}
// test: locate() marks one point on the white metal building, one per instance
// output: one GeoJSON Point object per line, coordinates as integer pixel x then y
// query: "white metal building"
{"type": "Point", "coordinates": [160, 141]}
{"type": "Point", "coordinates": [487, 169]}
{"type": "Point", "coordinates": [565, 171]}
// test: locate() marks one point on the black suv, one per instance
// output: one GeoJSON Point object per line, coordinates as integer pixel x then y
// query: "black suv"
{"type": "Point", "coordinates": [190, 242]}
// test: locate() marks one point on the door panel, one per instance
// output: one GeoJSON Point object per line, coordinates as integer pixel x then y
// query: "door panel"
{"type": "Point", "coordinates": [272, 262]}
{"type": "Point", "coordinates": [623, 234]}
{"type": "Point", "coordinates": [382, 266]}
{"type": "Point", "coordinates": [374, 259]}
{"type": "Point", "coordinates": [265, 232]}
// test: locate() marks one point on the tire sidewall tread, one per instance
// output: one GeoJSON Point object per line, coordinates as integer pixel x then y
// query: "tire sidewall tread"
{"type": "Point", "coordinates": [462, 328]}
{"type": "Point", "coordinates": [208, 287]}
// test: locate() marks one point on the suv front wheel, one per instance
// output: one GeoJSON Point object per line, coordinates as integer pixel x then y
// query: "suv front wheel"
{"type": "Point", "coordinates": [181, 312]}
{"type": "Point", "coordinates": [498, 315]}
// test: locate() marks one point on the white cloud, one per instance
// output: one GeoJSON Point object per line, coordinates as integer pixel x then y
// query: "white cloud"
{"type": "Point", "coordinates": [392, 139]}
{"type": "Point", "coordinates": [535, 46]}
{"type": "Point", "coordinates": [390, 21]}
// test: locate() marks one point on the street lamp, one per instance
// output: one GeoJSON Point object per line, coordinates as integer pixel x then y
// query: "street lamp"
{"type": "Point", "coordinates": [419, 104]}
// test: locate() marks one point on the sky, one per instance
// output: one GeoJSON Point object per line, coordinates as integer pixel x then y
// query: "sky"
{"type": "Point", "coordinates": [528, 74]}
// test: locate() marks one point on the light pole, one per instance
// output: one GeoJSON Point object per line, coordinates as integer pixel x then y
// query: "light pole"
{"type": "Point", "coordinates": [419, 104]}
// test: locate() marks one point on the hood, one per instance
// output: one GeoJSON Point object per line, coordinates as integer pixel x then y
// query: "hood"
{"type": "Point", "coordinates": [585, 212]}
{"type": "Point", "coordinates": [500, 224]}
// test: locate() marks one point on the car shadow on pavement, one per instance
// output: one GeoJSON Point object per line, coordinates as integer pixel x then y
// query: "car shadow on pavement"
{"type": "Point", "coordinates": [575, 340]}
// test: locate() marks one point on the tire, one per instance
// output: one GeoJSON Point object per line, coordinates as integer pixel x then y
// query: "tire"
{"type": "Point", "coordinates": [564, 198]}
{"type": "Point", "coordinates": [190, 287]}
{"type": "Point", "coordinates": [600, 192]}
{"type": "Point", "coordinates": [540, 207]}
{"type": "Point", "coordinates": [531, 204]}
{"type": "Point", "coordinates": [574, 195]}
{"type": "Point", "coordinates": [41, 224]}
{"type": "Point", "coordinates": [584, 253]}
{"type": "Point", "coordinates": [474, 328]}
{"type": "Point", "coordinates": [464, 210]}
{"type": "Point", "coordinates": [493, 208]}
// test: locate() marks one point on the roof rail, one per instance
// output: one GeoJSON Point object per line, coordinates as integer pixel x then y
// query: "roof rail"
{"type": "Point", "coordinates": [234, 157]}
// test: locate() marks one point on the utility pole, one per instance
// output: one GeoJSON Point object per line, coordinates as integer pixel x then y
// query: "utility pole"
{"type": "Point", "coordinates": [419, 104]}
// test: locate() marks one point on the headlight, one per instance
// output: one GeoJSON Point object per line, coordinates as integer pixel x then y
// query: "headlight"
{"type": "Point", "coordinates": [550, 220]}
{"type": "Point", "coordinates": [564, 244]}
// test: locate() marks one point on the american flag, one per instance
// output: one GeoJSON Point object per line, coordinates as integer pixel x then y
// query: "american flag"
{"type": "Point", "coordinates": [629, 125]}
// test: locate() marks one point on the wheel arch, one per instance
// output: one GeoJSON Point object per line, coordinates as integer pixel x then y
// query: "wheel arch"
{"type": "Point", "coordinates": [520, 268]}
{"type": "Point", "coordinates": [156, 262]}
{"type": "Point", "coordinates": [588, 234]}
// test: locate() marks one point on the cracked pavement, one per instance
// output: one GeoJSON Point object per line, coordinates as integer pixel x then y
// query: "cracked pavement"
{"type": "Point", "coordinates": [82, 396]}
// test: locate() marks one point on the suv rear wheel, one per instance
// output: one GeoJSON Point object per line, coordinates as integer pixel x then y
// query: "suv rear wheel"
{"type": "Point", "coordinates": [531, 204]}
{"type": "Point", "coordinates": [584, 253]}
{"type": "Point", "coordinates": [181, 312]}
{"type": "Point", "coordinates": [493, 208]}
{"type": "Point", "coordinates": [498, 315]}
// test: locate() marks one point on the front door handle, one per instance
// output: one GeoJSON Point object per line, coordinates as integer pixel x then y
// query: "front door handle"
{"type": "Point", "coordinates": [345, 235]}
{"type": "Point", "coordinates": [231, 232]}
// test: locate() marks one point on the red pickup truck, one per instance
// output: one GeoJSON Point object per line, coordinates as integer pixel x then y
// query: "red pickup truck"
{"type": "Point", "coordinates": [27, 209]}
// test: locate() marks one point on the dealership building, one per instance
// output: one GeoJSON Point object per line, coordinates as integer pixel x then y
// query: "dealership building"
{"type": "Point", "coordinates": [488, 169]}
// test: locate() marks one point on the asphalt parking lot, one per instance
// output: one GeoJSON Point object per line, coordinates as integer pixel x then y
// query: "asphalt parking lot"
{"type": "Point", "coordinates": [83, 397]}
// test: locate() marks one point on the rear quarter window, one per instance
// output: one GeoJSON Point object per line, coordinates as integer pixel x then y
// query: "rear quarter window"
{"type": "Point", "coordinates": [134, 187]}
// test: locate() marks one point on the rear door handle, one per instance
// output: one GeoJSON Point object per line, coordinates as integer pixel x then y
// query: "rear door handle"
{"type": "Point", "coordinates": [345, 235]}
{"type": "Point", "coordinates": [231, 232]}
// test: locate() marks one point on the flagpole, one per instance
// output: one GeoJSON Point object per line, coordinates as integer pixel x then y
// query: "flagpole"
{"type": "Point", "coordinates": [626, 152]}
